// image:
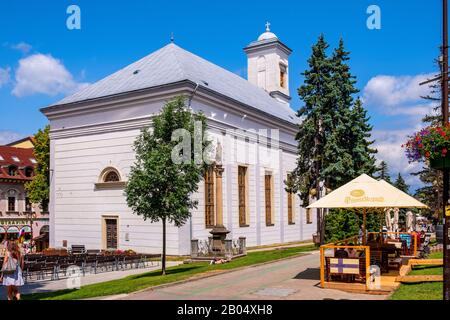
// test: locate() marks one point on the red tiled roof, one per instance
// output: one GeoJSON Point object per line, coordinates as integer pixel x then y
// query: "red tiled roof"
{"type": "Point", "coordinates": [6, 160]}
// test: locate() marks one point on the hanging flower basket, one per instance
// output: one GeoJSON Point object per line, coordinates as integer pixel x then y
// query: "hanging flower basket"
{"type": "Point", "coordinates": [431, 145]}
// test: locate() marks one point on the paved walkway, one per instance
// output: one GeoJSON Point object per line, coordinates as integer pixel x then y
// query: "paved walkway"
{"type": "Point", "coordinates": [281, 246]}
{"type": "Point", "coordinates": [296, 279]}
{"type": "Point", "coordinates": [49, 286]}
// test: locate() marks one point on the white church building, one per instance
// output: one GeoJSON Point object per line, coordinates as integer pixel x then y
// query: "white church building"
{"type": "Point", "coordinates": [92, 136]}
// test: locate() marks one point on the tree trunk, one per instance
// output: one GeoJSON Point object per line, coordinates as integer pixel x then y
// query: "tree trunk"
{"type": "Point", "coordinates": [163, 258]}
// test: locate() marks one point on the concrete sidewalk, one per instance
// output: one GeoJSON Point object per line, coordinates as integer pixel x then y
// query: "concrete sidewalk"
{"type": "Point", "coordinates": [55, 285]}
{"type": "Point", "coordinates": [291, 279]}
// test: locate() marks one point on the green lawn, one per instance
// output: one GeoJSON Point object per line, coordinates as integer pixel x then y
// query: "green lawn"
{"type": "Point", "coordinates": [425, 290]}
{"type": "Point", "coordinates": [150, 279]}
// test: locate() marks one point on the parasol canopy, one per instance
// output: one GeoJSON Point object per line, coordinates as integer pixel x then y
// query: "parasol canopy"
{"type": "Point", "coordinates": [366, 192]}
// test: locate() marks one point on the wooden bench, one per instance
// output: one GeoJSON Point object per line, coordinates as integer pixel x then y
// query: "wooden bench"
{"type": "Point", "coordinates": [78, 249]}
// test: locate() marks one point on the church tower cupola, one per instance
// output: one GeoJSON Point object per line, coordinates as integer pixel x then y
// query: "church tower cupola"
{"type": "Point", "coordinates": [268, 65]}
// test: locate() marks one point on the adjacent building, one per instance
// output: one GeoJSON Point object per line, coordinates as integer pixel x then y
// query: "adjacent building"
{"type": "Point", "coordinates": [250, 122]}
{"type": "Point", "coordinates": [16, 211]}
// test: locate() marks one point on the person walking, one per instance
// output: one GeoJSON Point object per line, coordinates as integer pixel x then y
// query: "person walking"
{"type": "Point", "coordinates": [12, 270]}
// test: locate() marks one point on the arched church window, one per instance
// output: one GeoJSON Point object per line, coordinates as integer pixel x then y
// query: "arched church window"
{"type": "Point", "coordinates": [111, 176]}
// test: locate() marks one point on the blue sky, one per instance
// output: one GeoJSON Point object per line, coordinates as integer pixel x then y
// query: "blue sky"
{"type": "Point", "coordinates": [388, 62]}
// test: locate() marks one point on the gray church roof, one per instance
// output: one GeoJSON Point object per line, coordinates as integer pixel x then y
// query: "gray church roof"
{"type": "Point", "coordinates": [172, 64]}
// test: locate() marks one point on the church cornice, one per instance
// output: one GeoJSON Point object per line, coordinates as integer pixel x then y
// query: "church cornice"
{"type": "Point", "coordinates": [185, 87]}
{"type": "Point", "coordinates": [258, 45]}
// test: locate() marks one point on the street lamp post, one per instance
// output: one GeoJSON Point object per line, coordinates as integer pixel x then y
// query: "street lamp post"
{"type": "Point", "coordinates": [445, 173]}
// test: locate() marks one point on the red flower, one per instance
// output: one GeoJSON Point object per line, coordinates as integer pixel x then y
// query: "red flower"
{"type": "Point", "coordinates": [427, 154]}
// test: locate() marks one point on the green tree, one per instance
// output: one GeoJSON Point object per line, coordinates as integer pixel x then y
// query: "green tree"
{"type": "Point", "coordinates": [333, 145]}
{"type": "Point", "coordinates": [400, 183]}
{"type": "Point", "coordinates": [359, 141]}
{"type": "Point", "coordinates": [160, 189]}
{"type": "Point", "coordinates": [38, 190]}
{"type": "Point", "coordinates": [383, 172]}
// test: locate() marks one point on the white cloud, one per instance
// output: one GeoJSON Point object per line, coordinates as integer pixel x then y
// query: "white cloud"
{"type": "Point", "coordinates": [389, 146]}
{"type": "Point", "coordinates": [394, 94]}
{"type": "Point", "coordinates": [39, 73]}
{"type": "Point", "coordinates": [398, 102]}
{"type": "Point", "coordinates": [9, 136]}
{"type": "Point", "coordinates": [4, 76]}
{"type": "Point", "coordinates": [22, 47]}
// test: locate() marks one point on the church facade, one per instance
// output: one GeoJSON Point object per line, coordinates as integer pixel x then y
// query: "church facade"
{"type": "Point", "coordinates": [92, 135]}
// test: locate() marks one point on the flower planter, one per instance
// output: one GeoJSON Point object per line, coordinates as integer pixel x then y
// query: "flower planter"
{"type": "Point", "coordinates": [440, 163]}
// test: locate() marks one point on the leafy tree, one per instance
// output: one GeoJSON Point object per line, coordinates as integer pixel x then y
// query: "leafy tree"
{"type": "Point", "coordinates": [38, 190]}
{"type": "Point", "coordinates": [383, 172]}
{"type": "Point", "coordinates": [160, 189]}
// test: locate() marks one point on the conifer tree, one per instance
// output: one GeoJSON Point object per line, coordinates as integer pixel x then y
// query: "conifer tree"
{"type": "Point", "coordinates": [383, 172]}
{"type": "Point", "coordinates": [333, 145]}
{"type": "Point", "coordinates": [400, 183]}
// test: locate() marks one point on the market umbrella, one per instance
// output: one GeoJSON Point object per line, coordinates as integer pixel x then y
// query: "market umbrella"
{"type": "Point", "coordinates": [365, 193]}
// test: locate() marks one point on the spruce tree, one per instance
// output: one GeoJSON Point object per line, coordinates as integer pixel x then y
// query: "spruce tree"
{"type": "Point", "coordinates": [333, 137]}
{"type": "Point", "coordinates": [316, 120]}
{"type": "Point", "coordinates": [383, 172]}
{"type": "Point", "coordinates": [400, 184]}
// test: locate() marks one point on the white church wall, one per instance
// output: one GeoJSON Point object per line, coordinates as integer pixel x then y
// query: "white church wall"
{"type": "Point", "coordinates": [79, 207]}
{"type": "Point", "coordinates": [79, 155]}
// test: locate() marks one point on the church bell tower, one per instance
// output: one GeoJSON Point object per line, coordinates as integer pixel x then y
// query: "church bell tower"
{"type": "Point", "coordinates": [268, 65]}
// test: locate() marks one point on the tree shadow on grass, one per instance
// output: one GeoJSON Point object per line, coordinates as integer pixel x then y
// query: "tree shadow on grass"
{"type": "Point", "coordinates": [157, 273]}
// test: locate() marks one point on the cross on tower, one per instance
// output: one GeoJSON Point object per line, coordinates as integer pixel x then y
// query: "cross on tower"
{"type": "Point", "coordinates": [268, 26]}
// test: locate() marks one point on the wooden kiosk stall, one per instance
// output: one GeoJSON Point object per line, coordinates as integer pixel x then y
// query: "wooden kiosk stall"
{"type": "Point", "coordinates": [352, 260]}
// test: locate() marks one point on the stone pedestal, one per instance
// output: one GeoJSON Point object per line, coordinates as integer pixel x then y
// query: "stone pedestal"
{"type": "Point", "coordinates": [219, 234]}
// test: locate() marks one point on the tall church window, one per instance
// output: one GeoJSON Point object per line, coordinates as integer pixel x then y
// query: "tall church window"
{"type": "Point", "coordinates": [290, 198]}
{"type": "Point", "coordinates": [268, 198]}
{"type": "Point", "coordinates": [209, 197]}
{"type": "Point", "coordinates": [283, 76]}
{"type": "Point", "coordinates": [242, 186]}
